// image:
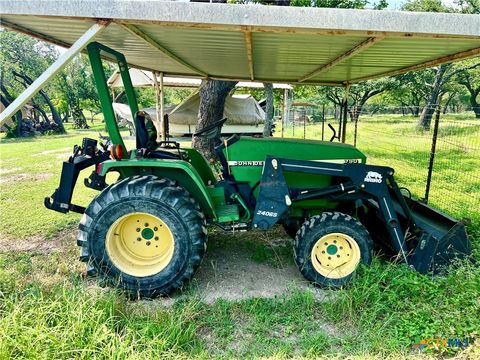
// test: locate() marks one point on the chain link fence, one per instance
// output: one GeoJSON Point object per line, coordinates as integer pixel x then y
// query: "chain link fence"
{"type": "Point", "coordinates": [440, 165]}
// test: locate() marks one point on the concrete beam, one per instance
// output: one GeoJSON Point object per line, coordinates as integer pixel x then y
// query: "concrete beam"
{"type": "Point", "coordinates": [337, 22]}
{"type": "Point", "coordinates": [360, 47]}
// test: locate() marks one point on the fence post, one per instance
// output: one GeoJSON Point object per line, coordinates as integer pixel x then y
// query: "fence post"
{"type": "Point", "coordinates": [432, 151]}
{"type": "Point", "coordinates": [293, 123]}
{"type": "Point", "coordinates": [340, 119]}
{"type": "Point", "coordinates": [345, 113]}
{"type": "Point", "coordinates": [304, 122]}
{"type": "Point", "coordinates": [323, 121]}
{"type": "Point", "coordinates": [356, 125]}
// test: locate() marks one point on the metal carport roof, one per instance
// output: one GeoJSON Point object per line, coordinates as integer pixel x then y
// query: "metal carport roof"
{"type": "Point", "coordinates": [255, 42]}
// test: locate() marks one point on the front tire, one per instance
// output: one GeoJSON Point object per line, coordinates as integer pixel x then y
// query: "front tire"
{"type": "Point", "coordinates": [144, 234]}
{"type": "Point", "coordinates": [329, 247]}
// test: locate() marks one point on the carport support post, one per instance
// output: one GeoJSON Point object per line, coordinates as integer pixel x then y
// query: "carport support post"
{"type": "Point", "coordinates": [53, 69]}
{"type": "Point", "coordinates": [345, 112]}
{"type": "Point", "coordinates": [159, 123]}
{"type": "Point", "coordinates": [355, 133]}
{"type": "Point", "coordinates": [162, 110]}
{"type": "Point", "coordinates": [285, 110]}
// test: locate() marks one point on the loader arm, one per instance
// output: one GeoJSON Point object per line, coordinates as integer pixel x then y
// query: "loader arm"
{"type": "Point", "coordinates": [376, 188]}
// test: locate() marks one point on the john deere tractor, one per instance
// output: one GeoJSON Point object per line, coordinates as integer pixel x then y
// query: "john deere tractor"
{"type": "Point", "coordinates": [147, 231]}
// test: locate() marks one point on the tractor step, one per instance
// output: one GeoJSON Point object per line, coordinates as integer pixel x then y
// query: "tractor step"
{"type": "Point", "coordinates": [227, 213]}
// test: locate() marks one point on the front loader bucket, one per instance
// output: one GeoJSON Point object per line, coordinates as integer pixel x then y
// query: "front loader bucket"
{"type": "Point", "coordinates": [441, 240]}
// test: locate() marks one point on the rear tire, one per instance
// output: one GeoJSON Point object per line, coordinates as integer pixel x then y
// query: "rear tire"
{"type": "Point", "coordinates": [329, 247]}
{"type": "Point", "coordinates": [144, 234]}
{"type": "Point", "coordinates": [291, 226]}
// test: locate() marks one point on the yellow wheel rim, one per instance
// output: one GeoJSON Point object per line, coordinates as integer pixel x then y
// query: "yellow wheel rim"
{"type": "Point", "coordinates": [140, 244]}
{"type": "Point", "coordinates": [335, 255]}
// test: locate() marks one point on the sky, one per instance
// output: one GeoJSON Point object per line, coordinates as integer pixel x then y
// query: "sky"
{"type": "Point", "coordinates": [395, 4]}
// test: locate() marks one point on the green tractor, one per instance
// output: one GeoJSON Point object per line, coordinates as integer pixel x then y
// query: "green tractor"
{"type": "Point", "coordinates": [147, 232]}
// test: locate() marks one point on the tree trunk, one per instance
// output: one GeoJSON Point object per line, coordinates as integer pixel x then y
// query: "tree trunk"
{"type": "Point", "coordinates": [267, 128]}
{"type": "Point", "coordinates": [41, 112]}
{"type": "Point", "coordinates": [55, 116]}
{"type": "Point", "coordinates": [427, 112]}
{"type": "Point", "coordinates": [416, 111]}
{"type": "Point", "coordinates": [79, 121]}
{"type": "Point", "coordinates": [213, 94]}
{"type": "Point", "coordinates": [7, 99]}
{"type": "Point", "coordinates": [447, 103]}
{"type": "Point", "coordinates": [473, 100]}
{"type": "Point", "coordinates": [475, 107]}
{"type": "Point", "coordinates": [66, 115]}
{"type": "Point", "coordinates": [355, 111]}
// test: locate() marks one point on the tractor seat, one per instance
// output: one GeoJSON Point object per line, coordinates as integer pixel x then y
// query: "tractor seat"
{"type": "Point", "coordinates": [162, 150]}
{"type": "Point", "coordinates": [163, 153]}
{"type": "Point", "coordinates": [166, 150]}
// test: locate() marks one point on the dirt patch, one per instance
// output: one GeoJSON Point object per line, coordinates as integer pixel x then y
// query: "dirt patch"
{"type": "Point", "coordinates": [23, 176]}
{"type": "Point", "coordinates": [63, 156]}
{"type": "Point", "coordinates": [233, 269]}
{"type": "Point", "coordinates": [56, 151]}
{"type": "Point", "coordinates": [38, 244]}
{"type": "Point", "coordinates": [236, 266]}
{"type": "Point", "coordinates": [4, 171]}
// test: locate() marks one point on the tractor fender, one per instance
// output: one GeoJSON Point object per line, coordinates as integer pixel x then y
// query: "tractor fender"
{"type": "Point", "coordinates": [178, 170]}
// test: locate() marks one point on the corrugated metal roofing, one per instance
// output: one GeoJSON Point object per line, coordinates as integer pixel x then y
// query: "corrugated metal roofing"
{"type": "Point", "coordinates": [255, 42]}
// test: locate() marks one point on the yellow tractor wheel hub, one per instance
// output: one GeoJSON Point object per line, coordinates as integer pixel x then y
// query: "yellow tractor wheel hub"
{"type": "Point", "coordinates": [140, 244]}
{"type": "Point", "coordinates": [335, 255]}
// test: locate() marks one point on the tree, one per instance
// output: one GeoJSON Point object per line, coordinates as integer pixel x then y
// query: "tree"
{"type": "Point", "coordinates": [411, 90]}
{"type": "Point", "coordinates": [26, 81]}
{"type": "Point", "coordinates": [443, 74]}
{"type": "Point", "coordinates": [6, 99]}
{"type": "Point", "coordinates": [213, 94]}
{"type": "Point", "coordinates": [362, 92]}
{"type": "Point", "coordinates": [468, 6]}
{"type": "Point", "coordinates": [22, 59]}
{"type": "Point", "coordinates": [426, 6]}
{"type": "Point", "coordinates": [341, 4]}
{"type": "Point", "coordinates": [76, 91]}
{"type": "Point", "coordinates": [471, 81]}
{"type": "Point", "coordinates": [267, 128]}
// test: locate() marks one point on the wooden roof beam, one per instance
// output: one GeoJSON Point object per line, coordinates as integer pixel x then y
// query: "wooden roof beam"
{"type": "Point", "coordinates": [155, 44]}
{"type": "Point", "coordinates": [249, 46]}
{"type": "Point", "coordinates": [358, 48]}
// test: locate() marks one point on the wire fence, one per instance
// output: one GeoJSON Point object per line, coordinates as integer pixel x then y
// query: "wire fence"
{"type": "Point", "coordinates": [440, 164]}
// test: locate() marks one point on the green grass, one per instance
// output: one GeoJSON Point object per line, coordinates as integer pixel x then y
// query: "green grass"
{"type": "Point", "coordinates": [47, 310]}
{"type": "Point", "coordinates": [30, 171]}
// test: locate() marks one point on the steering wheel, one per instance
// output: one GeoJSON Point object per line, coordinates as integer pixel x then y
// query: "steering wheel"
{"type": "Point", "coordinates": [211, 131]}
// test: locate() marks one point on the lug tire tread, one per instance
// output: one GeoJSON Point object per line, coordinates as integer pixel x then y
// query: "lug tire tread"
{"type": "Point", "coordinates": [163, 191]}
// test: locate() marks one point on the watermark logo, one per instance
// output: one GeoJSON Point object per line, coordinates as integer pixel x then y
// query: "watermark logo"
{"type": "Point", "coordinates": [437, 343]}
